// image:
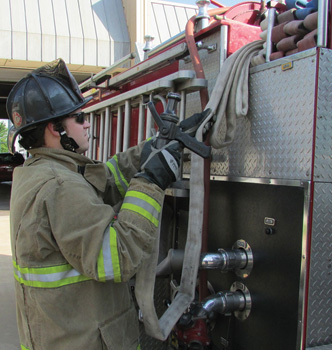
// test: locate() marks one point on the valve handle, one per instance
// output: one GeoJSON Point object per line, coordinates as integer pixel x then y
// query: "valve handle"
{"type": "Point", "coordinates": [169, 130]}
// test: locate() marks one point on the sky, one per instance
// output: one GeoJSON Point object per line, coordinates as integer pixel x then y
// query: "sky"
{"type": "Point", "coordinates": [193, 2]}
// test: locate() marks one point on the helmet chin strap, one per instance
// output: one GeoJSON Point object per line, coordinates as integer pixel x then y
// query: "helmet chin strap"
{"type": "Point", "coordinates": [68, 143]}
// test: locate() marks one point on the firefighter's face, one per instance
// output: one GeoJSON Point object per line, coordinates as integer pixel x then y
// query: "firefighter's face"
{"type": "Point", "coordinates": [77, 128]}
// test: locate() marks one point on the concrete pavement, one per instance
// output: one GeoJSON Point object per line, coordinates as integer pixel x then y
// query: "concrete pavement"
{"type": "Point", "coordinates": [8, 329]}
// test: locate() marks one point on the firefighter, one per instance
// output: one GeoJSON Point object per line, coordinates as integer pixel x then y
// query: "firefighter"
{"type": "Point", "coordinates": [79, 228]}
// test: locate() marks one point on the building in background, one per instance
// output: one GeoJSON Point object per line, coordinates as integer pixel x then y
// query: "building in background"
{"type": "Point", "coordinates": [88, 35]}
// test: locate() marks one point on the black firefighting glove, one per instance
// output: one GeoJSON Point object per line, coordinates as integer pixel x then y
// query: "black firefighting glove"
{"type": "Point", "coordinates": [191, 124]}
{"type": "Point", "coordinates": [160, 166]}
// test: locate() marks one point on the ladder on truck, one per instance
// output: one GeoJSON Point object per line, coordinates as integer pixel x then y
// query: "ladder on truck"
{"type": "Point", "coordinates": [120, 107]}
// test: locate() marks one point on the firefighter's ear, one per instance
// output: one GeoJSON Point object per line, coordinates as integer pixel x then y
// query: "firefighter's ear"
{"type": "Point", "coordinates": [51, 128]}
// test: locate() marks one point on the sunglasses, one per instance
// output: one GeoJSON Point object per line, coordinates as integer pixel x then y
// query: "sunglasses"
{"type": "Point", "coordinates": [80, 118]}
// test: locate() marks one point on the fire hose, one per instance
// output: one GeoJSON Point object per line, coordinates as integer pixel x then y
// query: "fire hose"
{"type": "Point", "coordinates": [227, 91]}
{"type": "Point", "coordinates": [205, 164]}
{"type": "Point", "coordinates": [145, 277]}
{"type": "Point", "coordinates": [229, 98]}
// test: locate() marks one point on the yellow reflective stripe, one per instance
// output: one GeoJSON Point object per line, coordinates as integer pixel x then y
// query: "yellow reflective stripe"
{"type": "Point", "coordinates": [143, 212]}
{"type": "Point", "coordinates": [48, 277]}
{"type": "Point", "coordinates": [23, 347]}
{"type": "Point", "coordinates": [142, 204]}
{"type": "Point", "coordinates": [101, 268]}
{"type": "Point", "coordinates": [43, 270]}
{"type": "Point", "coordinates": [120, 181]}
{"type": "Point", "coordinates": [108, 259]}
{"type": "Point", "coordinates": [146, 198]}
{"type": "Point", "coordinates": [115, 256]}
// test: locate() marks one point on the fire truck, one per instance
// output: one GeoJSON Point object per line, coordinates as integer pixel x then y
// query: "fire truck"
{"type": "Point", "coordinates": [244, 256]}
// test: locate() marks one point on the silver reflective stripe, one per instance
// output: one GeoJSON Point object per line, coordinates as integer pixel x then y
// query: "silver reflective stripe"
{"type": "Point", "coordinates": [107, 256]}
{"type": "Point", "coordinates": [48, 277]}
{"type": "Point", "coordinates": [142, 204]}
{"type": "Point", "coordinates": [52, 277]}
{"type": "Point", "coordinates": [173, 165]}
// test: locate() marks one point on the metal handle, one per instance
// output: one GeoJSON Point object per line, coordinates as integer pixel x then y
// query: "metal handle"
{"type": "Point", "coordinates": [169, 130]}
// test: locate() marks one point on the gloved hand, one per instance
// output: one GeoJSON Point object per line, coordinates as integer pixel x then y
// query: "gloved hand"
{"type": "Point", "coordinates": [191, 124]}
{"type": "Point", "coordinates": [160, 166]}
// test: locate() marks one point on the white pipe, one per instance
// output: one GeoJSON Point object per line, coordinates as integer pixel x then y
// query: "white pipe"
{"type": "Point", "coordinates": [119, 130]}
{"type": "Point", "coordinates": [108, 134]}
{"type": "Point", "coordinates": [323, 11]}
{"type": "Point", "coordinates": [126, 141]}
{"type": "Point", "coordinates": [183, 106]}
{"type": "Point", "coordinates": [149, 119]}
{"type": "Point", "coordinates": [101, 136]}
{"type": "Point", "coordinates": [271, 20]}
{"type": "Point", "coordinates": [141, 117]}
{"type": "Point", "coordinates": [223, 44]}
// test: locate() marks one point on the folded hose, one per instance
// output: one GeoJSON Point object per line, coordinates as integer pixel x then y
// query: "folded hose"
{"type": "Point", "coordinates": [230, 95]}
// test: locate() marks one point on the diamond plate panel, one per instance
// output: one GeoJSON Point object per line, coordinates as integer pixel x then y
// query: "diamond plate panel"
{"type": "Point", "coordinates": [319, 326]}
{"type": "Point", "coordinates": [275, 139]}
{"type": "Point", "coordinates": [323, 347]}
{"type": "Point", "coordinates": [323, 154]}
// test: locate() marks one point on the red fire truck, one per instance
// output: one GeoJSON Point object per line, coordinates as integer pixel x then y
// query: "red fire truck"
{"type": "Point", "coordinates": [245, 250]}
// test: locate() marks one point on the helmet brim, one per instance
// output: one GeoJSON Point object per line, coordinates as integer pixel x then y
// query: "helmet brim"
{"type": "Point", "coordinates": [46, 93]}
{"type": "Point", "coordinates": [13, 132]}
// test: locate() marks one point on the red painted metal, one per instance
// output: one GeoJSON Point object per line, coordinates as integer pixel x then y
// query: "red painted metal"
{"type": "Point", "coordinates": [240, 34]}
{"type": "Point", "coordinates": [114, 134]}
{"type": "Point", "coordinates": [241, 20]}
{"type": "Point", "coordinates": [143, 79]}
{"type": "Point", "coordinates": [196, 334]}
{"type": "Point", "coordinates": [134, 127]}
{"type": "Point", "coordinates": [245, 12]}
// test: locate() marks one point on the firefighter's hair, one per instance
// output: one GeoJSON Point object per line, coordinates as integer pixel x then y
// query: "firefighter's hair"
{"type": "Point", "coordinates": [34, 138]}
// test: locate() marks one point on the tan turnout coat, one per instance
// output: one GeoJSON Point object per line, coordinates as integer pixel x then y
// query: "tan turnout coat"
{"type": "Point", "coordinates": [74, 249]}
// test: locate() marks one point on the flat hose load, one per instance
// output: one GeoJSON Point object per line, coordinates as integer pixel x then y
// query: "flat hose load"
{"type": "Point", "coordinates": [230, 96]}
